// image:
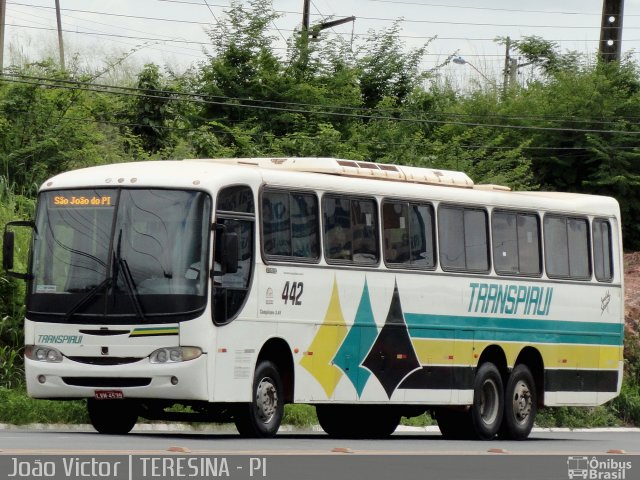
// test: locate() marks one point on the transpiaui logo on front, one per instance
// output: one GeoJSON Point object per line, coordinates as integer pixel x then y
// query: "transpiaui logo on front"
{"type": "Point", "coordinates": [595, 468]}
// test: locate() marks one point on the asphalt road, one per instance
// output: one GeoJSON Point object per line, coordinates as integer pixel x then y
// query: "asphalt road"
{"type": "Point", "coordinates": [63, 440]}
{"type": "Point", "coordinates": [66, 453]}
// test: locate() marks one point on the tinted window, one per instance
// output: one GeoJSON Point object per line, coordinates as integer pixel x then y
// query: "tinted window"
{"type": "Point", "coordinates": [463, 239]}
{"type": "Point", "coordinates": [516, 248]}
{"type": "Point", "coordinates": [236, 199]}
{"type": "Point", "coordinates": [566, 245]}
{"type": "Point", "coordinates": [290, 224]}
{"type": "Point", "coordinates": [408, 234]}
{"type": "Point", "coordinates": [350, 229]}
{"type": "Point", "coordinates": [276, 223]}
{"type": "Point", "coordinates": [602, 257]}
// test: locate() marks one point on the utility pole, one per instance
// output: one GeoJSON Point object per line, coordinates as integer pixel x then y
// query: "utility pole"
{"type": "Point", "coordinates": [3, 10]}
{"type": "Point", "coordinates": [305, 16]}
{"type": "Point", "coordinates": [60, 44]}
{"type": "Point", "coordinates": [507, 66]}
{"type": "Point", "coordinates": [611, 30]}
{"type": "Point", "coordinates": [315, 30]}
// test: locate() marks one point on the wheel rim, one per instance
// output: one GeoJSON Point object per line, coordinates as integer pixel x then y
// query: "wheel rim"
{"type": "Point", "coordinates": [522, 402]}
{"type": "Point", "coordinates": [489, 403]}
{"type": "Point", "coordinates": [266, 399]}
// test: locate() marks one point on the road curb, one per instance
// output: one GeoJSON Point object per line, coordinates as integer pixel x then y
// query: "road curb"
{"type": "Point", "coordinates": [229, 428]}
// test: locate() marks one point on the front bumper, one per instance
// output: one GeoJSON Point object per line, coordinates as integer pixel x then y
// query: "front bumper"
{"type": "Point", "coordinates": [142, 379]}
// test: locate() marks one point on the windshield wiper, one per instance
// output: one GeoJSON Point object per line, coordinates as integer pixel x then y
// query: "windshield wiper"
{"type": "Point", "coordinates": [88, 298]}
{"type": "Point", "coordinates": [131, 288]}
{"type": "Point", "coordinates": [120, 265]}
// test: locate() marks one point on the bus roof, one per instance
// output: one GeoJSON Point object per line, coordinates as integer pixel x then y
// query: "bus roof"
{"type": "Point", "coordinates": [327, 174]}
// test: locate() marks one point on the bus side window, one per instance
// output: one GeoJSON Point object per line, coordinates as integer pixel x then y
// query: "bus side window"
{"type": "Point", "coordinates": [232, 289]}
{"type": "Point", "coordinates": [463, 234]}
{"type": "Point", "coordinates": [421, 234]}
{"type": "Point", "coordinates": [516, 249]}
{"type": "Point", "coordinates": [290, 225]}
{"type": "Point", "coordinates": [395, 221]}
{"type": "Point", "coordinates": [365, 228]}
{"type": "Point", "coordinates": [602, 255]}
{"type": "Point", "coordinates": [566, 245]}
{"type": "Point", "coordinates": [408, 235]}
{"type": "Point", "coordinates": [350, 229]}
{"type": "Point", "coordinates": [337, 228]}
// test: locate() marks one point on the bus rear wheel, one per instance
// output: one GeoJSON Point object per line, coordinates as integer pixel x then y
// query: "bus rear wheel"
{"type": "Point", "coordinates": [488, 402]}
{"type": "Point", "coordinates": [112, 417]}
{"type": "Point", "coordinates": [262, 416]}
{"type": "Point", "coordinates": [520, 404]}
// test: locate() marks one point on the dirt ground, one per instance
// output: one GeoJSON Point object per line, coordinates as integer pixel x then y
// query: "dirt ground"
{"type": "Point", "coordinates": [632, 292]}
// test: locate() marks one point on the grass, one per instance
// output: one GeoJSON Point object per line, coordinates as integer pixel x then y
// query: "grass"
{"type": "Point", "coordinates": [577, 417]}
{"type": "Point", "coordinates": [20, 409]}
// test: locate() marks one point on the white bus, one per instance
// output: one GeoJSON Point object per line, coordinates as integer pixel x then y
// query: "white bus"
{"type": "Point", "coordinates": [372, 291]}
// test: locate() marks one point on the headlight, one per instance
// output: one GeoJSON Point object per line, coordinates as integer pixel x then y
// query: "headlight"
{"type": "Point", "coordinates": [42, 354]}
{"type": "Point", "coordinates": [174, 354]}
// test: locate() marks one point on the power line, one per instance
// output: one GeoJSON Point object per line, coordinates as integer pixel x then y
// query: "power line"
{"type": "Point", "coordinates": [105, 33]}
{"type": "Point", "coordinates": [204, 43]}
{"type": "Point", "coordinates": [386, 19]}
{"type": "Point", "coordinates": [298, 136]}
{"type": "Point", "coordinates": [186, 95]}
{"type": "Point", "coordinates": [449, 6]}
{"type": "Point", "coordinates": [212, 14]}
{"type": "Point", "coordinates": [491, 9]}
{"type": "Point", "coordinates": [346, 114]}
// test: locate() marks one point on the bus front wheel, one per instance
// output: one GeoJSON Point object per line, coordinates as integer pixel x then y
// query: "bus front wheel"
{"type": "Point", "coordinates": [112, 417]}
{"type": "Point", "coordinates": [488, 402]}
{"type": "Point", "coordinates": [262, 416]}
{"type": "Point", "coordinates": [520, 404]}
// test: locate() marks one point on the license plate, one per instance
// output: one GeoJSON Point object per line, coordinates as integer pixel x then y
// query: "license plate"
{"type": "Point", "coordinates": [108, 394]}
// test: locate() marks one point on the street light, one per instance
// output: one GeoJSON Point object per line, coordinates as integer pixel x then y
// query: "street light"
{"type": "Point", "coordinates": [462, 61]}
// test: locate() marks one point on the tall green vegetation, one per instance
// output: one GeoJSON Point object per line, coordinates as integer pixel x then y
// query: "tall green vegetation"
{"type": "Point", "coordinates": [572, 126]}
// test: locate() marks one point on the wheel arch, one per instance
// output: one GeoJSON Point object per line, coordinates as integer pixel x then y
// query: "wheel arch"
{"type": "Point", "coordinates": [532, 359]}
{"type": "Point", "coordinates": [277, 350]}
{"type": "Point", "coordinates": [495, 354]}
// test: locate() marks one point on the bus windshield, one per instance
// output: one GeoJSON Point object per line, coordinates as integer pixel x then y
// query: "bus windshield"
{"type": "Point", "coordinates": [119, 256]}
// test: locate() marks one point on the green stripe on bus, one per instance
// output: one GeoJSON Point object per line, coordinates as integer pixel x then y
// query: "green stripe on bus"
{"type": "Point", "coordinates": [513, 329]}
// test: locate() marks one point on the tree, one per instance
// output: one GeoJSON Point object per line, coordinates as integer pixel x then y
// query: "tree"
{"type": "Point", "coordinates": [151, 110]}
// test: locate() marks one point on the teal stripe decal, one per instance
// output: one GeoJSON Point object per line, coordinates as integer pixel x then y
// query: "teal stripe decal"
{"type": "Point", "coordinates": [513, 329]}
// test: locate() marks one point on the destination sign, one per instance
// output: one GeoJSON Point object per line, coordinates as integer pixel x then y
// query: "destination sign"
{"type": "Point", "coordinates": [82, 201]}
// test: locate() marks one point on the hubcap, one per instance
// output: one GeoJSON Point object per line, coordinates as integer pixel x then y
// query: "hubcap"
{"type": "Point", "coordinates": [266, 399]}
{"type": "Point", "coordinates": [489, 402]}
{"type": "Point", "coordinates": [522, 402]}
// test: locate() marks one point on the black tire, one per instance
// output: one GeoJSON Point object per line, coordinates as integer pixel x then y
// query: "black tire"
{"type": "Point", "coordinates": [357, 421]}
{"type": "Point", "coordinates": [261, 417]}
{"type": "Point", "coordinates": [113, 417]}
{"type": "Point", "coordinates": [333, 420]}
{"type": "Point", "coordinates": [488, 402]}
{"type": "Point", "coordinates": [385, 424]}
{"type": "Point", "coordinates": [520, 404]}
{"type": "Point", "coordinates": [454, 424]}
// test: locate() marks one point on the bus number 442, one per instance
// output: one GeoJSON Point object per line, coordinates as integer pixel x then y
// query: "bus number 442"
{"type": "Point", "coordinates": [292, 292]}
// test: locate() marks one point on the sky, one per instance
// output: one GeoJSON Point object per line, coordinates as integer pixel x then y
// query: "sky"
{"type": "Point", "coordinates": [172, 32]}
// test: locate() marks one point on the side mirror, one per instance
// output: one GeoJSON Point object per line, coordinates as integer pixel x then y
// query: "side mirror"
{"type": "Point", "coordinates": [230, 249]}
{"type": "Point", "coordinates": [8, 243]}
{"type": "Point", "coordinates": [8, 247]}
